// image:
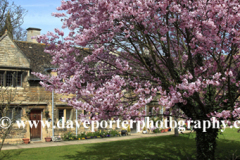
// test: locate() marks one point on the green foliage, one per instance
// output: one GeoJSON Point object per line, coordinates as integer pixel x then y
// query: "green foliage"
{"type": "Point", "coordinates": [155, 119]}
{"type": "Point", "coordinates": [73, 137]}
{"type": "Point", "coordinates": [89, 134]}
{"type": "Point", "coordinates": [68, 136]}
{"type": "Point", "coordinates": [96, 133]}
{"type": "Point", "coordinates": [156, 130]}
{"type": "Point", "coordinates": [114, 132]}
{"type": "Point", "coordinates": [79, 136]}
{"type": "Point", "coordinates": [83, 134]}
{"type": "Point", "coordinates": [103, 133]}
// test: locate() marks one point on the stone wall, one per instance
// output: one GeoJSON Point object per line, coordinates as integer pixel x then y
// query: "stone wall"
{"type": "Point", "coordinates": [10, 55]}
{"type": "Point", "coordinates": [15, 135]}
{"type": "Point", "coordinates": [29, 98]}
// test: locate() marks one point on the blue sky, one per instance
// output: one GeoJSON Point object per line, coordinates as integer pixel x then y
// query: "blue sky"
{"type": "Point", "coordinates": [39, 14]}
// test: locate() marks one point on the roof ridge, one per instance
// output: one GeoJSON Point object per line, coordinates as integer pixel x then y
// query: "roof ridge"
{"type": "Point", "coordinates": [29, 42]}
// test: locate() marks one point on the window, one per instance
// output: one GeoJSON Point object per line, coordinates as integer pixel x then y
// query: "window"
{"type": "Point", "coordinates": [11, 79]}
{"type": "Point", "coordinates": [67, 112]}
{"type": "Point", "coordinates": [60, 114]}
{"type": "Point", "coordinates": [35, 83]}
{"type": "Point", "coordinates": [1, 78]}
{"type": "Point", "coordinates": [18, 113]}
{"type": "Point", "coordinates": [19, 79]}
{"type": "Point", "coordinates": [150, 110]}
{"type": "Point", "coordinates": [14, 113]}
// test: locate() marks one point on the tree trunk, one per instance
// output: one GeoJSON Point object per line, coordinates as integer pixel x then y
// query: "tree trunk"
{"type": "Point", "coordinates": [206, 143]}
{"type": "Point", "coordinates": [176, 132]}
{"type": "Point", "coordinates": [176, 127]}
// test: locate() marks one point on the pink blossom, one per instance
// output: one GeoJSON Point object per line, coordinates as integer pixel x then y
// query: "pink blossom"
{"type": "Point", "coordinates": [181, 66]}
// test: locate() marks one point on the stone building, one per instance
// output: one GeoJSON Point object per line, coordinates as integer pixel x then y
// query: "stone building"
{"type": "Point", "coordinates": [28, 99]}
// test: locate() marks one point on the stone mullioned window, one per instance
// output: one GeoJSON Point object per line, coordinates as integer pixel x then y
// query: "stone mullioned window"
{"type": "Point", "coordinates": [11, 78]}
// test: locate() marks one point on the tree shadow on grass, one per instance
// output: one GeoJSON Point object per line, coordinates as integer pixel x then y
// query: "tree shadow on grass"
{"type": "Point", "coordinates": [228, 149]}
{"type": "Point", "coordinates": [157, 148]}
{"type": "Point", "coordinates": [148, 149]}
{"type": "Point", "coordinates": [9, 154]}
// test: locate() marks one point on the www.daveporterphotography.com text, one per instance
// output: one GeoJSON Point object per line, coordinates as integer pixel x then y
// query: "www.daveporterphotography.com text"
{"type": "Point", "coordinates": [147, 123]}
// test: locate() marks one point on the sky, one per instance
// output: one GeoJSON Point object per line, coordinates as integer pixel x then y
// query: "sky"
{"type": "Point", "coordinates": [39, 14]}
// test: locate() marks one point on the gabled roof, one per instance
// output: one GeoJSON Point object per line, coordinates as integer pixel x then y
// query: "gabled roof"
{"type": "Point", "coordinates": [39, 60]}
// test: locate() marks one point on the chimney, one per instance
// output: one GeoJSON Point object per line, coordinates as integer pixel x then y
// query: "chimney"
{"type": "Point", "coordinates": [32, 32]}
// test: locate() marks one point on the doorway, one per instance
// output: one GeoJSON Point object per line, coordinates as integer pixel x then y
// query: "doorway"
{"type": "Point", "coordinates": [35, 131]}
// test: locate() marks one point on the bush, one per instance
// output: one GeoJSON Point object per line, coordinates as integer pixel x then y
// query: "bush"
{"type": "Point", "coordinates": [79, 136]}
{"type": "Point", "coordinates": [96, 133]}
{"type": "Point", "coordinates": [103, 133]}
{"type": "Point", "coordinates": [89, 134]}
{"type": "Point", "coordinates": [64, 137]}
{"type": "Point", "coordinates": [74, 137]}
{"type": "Point", "coordinates": [68, 136]}
{"type": "Point", "coordinates": [156, 130]}
{"type": "Point", "coordinates": [83, 134]}
{"type": "Point", "coordinates": [114, 132]}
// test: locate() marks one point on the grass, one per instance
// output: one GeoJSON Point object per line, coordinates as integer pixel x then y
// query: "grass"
{"type": "Point", "coordinates": [154, 148]}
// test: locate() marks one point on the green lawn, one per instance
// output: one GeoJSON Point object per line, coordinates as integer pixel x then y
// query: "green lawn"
{"type": "Point", "coordinates": [163, 148]}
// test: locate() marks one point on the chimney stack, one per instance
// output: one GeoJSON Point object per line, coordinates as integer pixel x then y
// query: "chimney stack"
{"type": "Point", "coordinates": [32, 32]}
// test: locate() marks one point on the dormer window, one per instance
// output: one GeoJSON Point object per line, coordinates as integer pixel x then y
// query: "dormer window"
{"type": "Point", "coordinates": [11, 78]}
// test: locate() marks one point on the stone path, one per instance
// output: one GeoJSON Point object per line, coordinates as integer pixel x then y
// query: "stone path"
{"type": "Point", "coordinates": [98, 140]}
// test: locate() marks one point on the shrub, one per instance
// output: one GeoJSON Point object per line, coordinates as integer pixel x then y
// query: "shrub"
{"type": "Point", "coordinates": [96, 133]}
{"type": "Point", "coordinates": [64, 137]}
{"type": "Point", "coordinates": [114, 132]}
{"type": "Point", "coordinates": [83, 134]}
{"type": "Point", "coordinates": [79, 136]}
{"type": "Point", "coordinates": [89, 134]}
{"type": "Point", "coordinates": [156, 130]}
{"type": "Point", "coordinates": [68, 136]}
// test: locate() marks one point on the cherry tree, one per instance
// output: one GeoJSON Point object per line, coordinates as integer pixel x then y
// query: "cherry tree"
{"type": "Point", "coordinates": [182, 53]}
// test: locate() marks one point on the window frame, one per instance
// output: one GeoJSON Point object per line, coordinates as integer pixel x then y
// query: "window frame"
{"type": "Point", "coordinates": [19, 75]}
{"type": "Point", "coordinates": [60, 118]}
{"type": "Point", "coordinates": [16, 78]}
{"type": "Point", "coordinates": [9, 77]}
{"type": "Point", "coordinates": [12, 111]}
{"type": "Point", "coordinates": [2, 78]}
{"type": "Point", "coordinates": [65, 118]}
